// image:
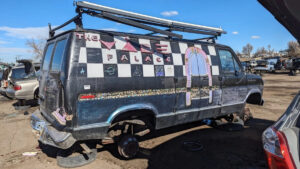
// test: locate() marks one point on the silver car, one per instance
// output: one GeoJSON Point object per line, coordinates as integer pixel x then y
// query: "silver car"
{"type": "Point", "coordinates": [23, 84]}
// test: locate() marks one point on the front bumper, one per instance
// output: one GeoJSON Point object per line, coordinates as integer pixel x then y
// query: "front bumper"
{"type": "Point", "coordinates": [48, 134]}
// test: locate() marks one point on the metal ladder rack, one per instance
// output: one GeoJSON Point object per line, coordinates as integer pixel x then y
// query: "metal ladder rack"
{"type": "Point", "coordinates": [138, 20]}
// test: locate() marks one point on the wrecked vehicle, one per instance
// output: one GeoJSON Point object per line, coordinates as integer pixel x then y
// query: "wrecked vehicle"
{"type": "Point", "coordinates": [264, 66]}
{"type": "Point", "coordinates": [293, 65]}
{"type": "Point", "coordinates": [23, 84]}
{"type": "Point", "coordinates": [281, 140]}
{"type": "Point", "coordinates": [116, 86]}
{"type": "Point", "coordinates": [4, 78]}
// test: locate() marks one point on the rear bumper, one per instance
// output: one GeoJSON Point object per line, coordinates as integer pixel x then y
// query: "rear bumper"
{"type": "Point", "coordinates": [48, 134]}
{"type": "Point", "coordinates": [10, 93]}
{"type": "Point", "coordinates": [21, 95]}
{"type": "Point", "coordinates": [2, 91]}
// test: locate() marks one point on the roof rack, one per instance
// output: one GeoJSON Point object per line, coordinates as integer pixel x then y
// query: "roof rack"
{"type": "Point", "coordinates": [137, 20]}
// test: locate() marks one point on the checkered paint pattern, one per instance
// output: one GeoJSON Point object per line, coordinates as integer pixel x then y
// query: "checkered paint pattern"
{"type": "Point", "coordinates": [116, 56]}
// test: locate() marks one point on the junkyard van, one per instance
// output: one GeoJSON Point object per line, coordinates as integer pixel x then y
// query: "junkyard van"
{"type": "Point", "coordinates": [110, 85]}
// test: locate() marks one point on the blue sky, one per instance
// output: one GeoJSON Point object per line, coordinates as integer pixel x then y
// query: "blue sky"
{"type": "Point", "coordinates": [244, 21]}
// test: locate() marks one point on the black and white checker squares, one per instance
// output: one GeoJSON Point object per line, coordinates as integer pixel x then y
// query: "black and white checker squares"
{"type": "Point", "coordinates": [97, 61]}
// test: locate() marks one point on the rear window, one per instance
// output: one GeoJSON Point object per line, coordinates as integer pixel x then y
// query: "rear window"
{"type": "Point", "coordinates": [47, 56]}
{"type": "Point", "coordinates": [58, 55]}
{"type": "Point", "coordinates": [18, 73]}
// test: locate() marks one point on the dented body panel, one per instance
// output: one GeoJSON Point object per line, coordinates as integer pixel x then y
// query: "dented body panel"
{"type": "Point", "coordinates": [104, 75]}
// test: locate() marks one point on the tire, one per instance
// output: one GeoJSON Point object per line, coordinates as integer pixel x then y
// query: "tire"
{"type": "Point", "coordinates": [128, 146]}
{"type": "Point", "coordinates": [65, 158]}
{"type": "Point", "coordinates": [293, 72]}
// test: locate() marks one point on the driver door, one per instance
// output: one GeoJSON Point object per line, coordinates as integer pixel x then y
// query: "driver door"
{"type": "Point", "coordinates": [233, 78]}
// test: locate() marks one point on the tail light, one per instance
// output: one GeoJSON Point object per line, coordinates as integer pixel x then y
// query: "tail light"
{"type": "Point", "coordinates": [17, 87]}
{"type": "Point", "coordinates": [277, 150]}
{"type": "Point", "coordinates": [5, 84]}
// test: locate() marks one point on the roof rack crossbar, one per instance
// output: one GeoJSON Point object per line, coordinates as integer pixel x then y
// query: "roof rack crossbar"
{"type": "Point", "coordinates": [76, 19]}
{"type": "Point", "coordinates": [207, 39]}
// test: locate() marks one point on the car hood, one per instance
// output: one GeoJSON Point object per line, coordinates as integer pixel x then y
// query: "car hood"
{"type": "Point", "coordinates": [287, 12]}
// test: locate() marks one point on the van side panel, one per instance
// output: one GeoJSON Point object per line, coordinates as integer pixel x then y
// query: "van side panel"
{"type": "Point", "coordinates": [111, 73]}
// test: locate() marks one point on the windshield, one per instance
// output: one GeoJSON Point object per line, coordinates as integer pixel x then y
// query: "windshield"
{"type": "Point", "coordinates": [1, 74]}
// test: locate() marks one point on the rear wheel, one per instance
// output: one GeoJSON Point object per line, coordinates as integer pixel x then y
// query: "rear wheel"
{"type": "Point", "coordinates": [292, 72]}
{"type": "Point", "coordinates": [128, 146]}
{"type": "Point", "coordinates": [125, 132]}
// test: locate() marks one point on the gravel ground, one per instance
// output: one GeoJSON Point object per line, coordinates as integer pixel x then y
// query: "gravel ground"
{"type": "Point", "coordinates": [222, 149]}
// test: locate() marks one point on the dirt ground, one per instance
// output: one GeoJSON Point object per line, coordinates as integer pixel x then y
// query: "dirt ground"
{"type": "Point", "coordinates": [222, 149]}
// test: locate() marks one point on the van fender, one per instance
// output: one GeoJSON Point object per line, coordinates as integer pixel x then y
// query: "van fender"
{"type": "Point", "coordinates": [132, 107]}
{"type": "Point", "coordinates": [253, 91]}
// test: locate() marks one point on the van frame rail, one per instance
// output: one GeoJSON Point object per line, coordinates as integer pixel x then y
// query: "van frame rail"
{"type": "Point", "coordinates": [138, 20]}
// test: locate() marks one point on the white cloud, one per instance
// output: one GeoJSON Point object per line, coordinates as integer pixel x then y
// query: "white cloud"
{"type": "Point", "coordinates": [110, 29]}
{"type": "Point", "coordinates": [9, 54]}
{"type": "Point", "coordinates": [26, 33]}
{"type": "Point", "coordinates": [235, 32]}
{"type": "Point", "coordinates": [5, 51]}
{"type": "Point", "coordinates": [131, 30]}
{"type": "Point", "coordinates": [3, 42]}
{"type": "Point", "coordinates": [169, 13]}
{"type": "Point", "coordinates": [255, 37]}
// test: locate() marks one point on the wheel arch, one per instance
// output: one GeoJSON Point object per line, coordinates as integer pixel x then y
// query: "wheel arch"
{"type": "Point", "coordinates": [255, 98]}
{"type": "Point", "coordinates": [133, 110]}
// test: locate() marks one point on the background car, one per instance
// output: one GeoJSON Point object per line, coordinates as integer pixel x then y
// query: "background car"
{"type": "Point", "coordinates": [264, 66]}
{"type": "Point", "coordinates": [281, 140]}
{"type": "Point", "coordinates": [23, 83]}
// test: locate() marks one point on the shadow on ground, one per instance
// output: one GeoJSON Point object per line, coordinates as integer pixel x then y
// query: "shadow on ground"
{"type": "Point", "coordinates": [221, 149]}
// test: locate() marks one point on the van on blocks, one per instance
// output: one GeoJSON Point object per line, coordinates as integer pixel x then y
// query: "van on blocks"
{"type": "Point", "coordinates": [110, 85]}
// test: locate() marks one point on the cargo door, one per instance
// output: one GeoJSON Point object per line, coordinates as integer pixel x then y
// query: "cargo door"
{"type": "Point", "coordinates": [197, 70]}
{"type": "Point", "coordinates": [52, 82]}
{"type": "Point", "coordinates": [44, 75]}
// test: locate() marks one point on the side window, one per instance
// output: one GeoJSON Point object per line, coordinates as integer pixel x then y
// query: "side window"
{"type": "Point", "coordinates": [47, 57]}
{"type": "Point", "coordinates": [227, 61]}
{"type": "Point", "coordinates": [58, 55]}
{"type": "Point", "coordinates": [236, 65]}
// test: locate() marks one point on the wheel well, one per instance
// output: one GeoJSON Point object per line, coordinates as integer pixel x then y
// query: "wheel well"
{"type": "Point", "coordinates": [254, 98]}
{"type": "Point", "coordinates": [143, 114]}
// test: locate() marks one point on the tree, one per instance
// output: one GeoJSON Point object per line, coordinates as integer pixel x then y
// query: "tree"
{"type": "Point", "coordinates": [293, 49]}
{"type": "Point", "coordinates": [270, 51]}
{"type": "Point", "coordinates": [260, 52]}
{"type": "Point", "coordinates": [37, 47]}
{"type": "Point", "coordinates": [238, 54]}
{"type": "Point", "coordinates": [247, 49]}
